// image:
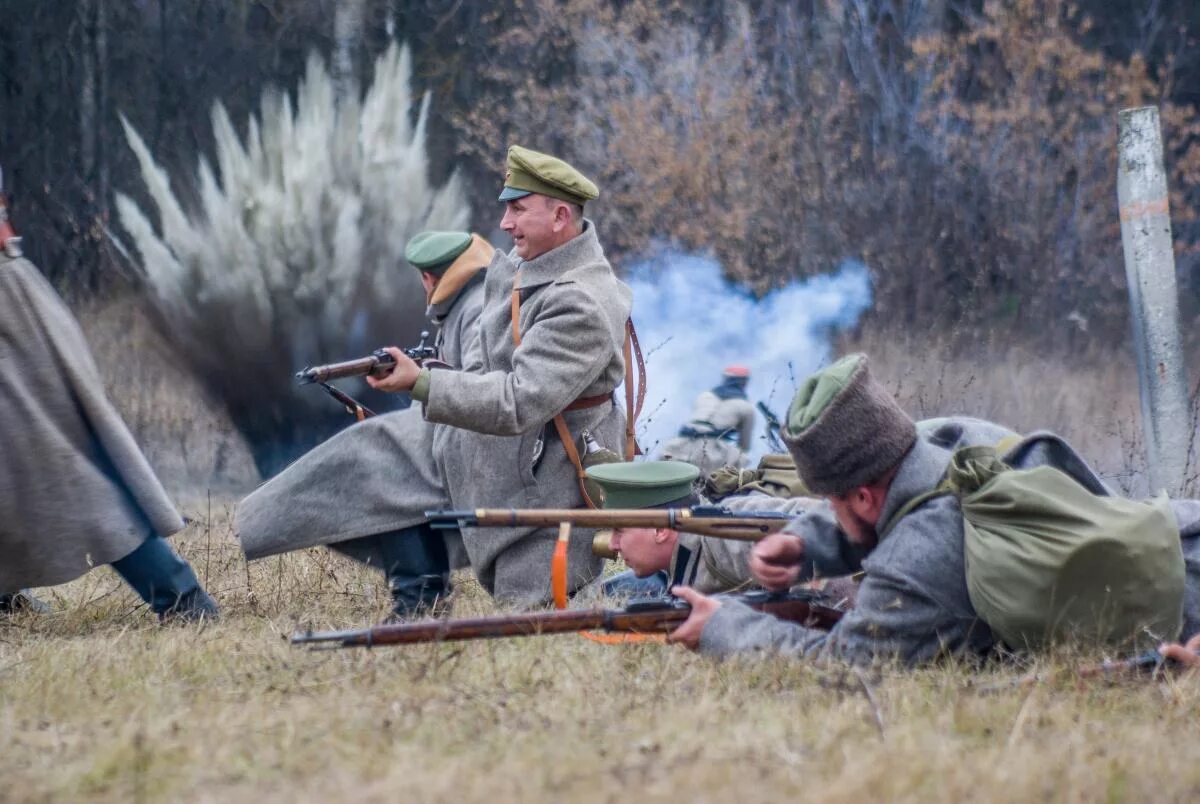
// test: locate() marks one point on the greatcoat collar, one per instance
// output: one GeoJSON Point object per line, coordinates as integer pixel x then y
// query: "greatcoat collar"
{"type": "Point", "coordinates": [583, 249]}
{"type": "Point", "coordinates": [921, 470]}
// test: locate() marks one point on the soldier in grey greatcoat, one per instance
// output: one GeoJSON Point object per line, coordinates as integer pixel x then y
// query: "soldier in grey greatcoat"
{"type": "Point", "coordinates": [562, 355]}
{"type": "Point", "coordinates": [75, 490]}
{"type": "Point", "coordinates": [364, 491]}
{"type": "Point", "coordinates": [856, 447]}
{"type": "Point", "coordinates": [720, 428]}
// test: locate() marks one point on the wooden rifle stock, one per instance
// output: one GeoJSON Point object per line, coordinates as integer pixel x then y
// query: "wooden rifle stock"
{"type": "Point", "coordinates": [652, 616]}
{"type": "Point", "coordinates": [749, 526]}
{"type": "Point", "coordinates": [377, 364]}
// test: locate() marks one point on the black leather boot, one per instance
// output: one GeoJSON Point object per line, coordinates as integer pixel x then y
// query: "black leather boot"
{"type": "Point", "coordinates": [166, 582]}
{"type": "Point", "coordinates": [417, 570]}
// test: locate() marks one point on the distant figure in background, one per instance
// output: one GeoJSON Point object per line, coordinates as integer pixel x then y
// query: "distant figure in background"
{"type": "Point", "coordinates": [719, 430]}
{"type": "Point", "coordinates": [75, 490]}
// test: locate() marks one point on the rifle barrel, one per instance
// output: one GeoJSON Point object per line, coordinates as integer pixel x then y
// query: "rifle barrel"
{"type": "Point", "coordinates": [645, 617]}
{"type": "Point", "coordinates": [741, 526]}
{"type": "Point", "coordinates": [349, 368]}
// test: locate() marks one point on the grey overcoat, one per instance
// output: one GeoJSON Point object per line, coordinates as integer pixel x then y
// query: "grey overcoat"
{"type": "Point", "coordinates": [75, 490]}
{"type": "Point", "coordinates": [373, 477]}
{"type": "Point", "coordinates": [572, 327]}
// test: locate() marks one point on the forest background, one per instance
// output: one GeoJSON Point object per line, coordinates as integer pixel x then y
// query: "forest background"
{"type": "Point", "coordinates": [964, 150]}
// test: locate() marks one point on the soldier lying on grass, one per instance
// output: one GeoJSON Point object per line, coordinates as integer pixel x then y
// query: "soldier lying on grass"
{"type": "Point", "coordinates": [855, 447]}
{"type": "Point", "coordinates": [660, 558]}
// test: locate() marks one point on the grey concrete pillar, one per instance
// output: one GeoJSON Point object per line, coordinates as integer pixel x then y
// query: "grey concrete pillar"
{"type": "Point", "coordinates": [1154, 302]}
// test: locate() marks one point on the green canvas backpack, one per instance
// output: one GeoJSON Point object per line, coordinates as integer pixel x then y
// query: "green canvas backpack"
{"type": "Point", "coordinates": [1048, 560]}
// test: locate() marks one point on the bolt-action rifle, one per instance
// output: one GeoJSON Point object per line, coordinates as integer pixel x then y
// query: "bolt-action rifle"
{"type": "Point", "coordinates": [705, 520]}
{"type": "Point", "coordinates": [377, 364]}
{"type": "Point", "coordinates": [649, 616]}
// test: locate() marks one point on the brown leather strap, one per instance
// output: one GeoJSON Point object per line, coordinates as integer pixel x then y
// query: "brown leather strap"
{"type": "Point", "coordinates": [633, 349]}
{"type": "Point", "coordinates": [585, 402]}
{"type": "Point", "coordinates": [560, 424]}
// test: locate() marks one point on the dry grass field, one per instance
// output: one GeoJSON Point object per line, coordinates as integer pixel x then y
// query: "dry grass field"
{"type": "Point", "coordinates": [100, 703]}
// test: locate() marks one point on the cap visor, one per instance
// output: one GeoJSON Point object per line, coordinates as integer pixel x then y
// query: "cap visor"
{"type": "Point", "coordinates": [512, 194]}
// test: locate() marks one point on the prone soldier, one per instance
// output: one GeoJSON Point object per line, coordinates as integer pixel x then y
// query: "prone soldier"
{"type": "Point", "coordinates": [892, 510]}
{"type": "Point", "coordinates": [661, 558]}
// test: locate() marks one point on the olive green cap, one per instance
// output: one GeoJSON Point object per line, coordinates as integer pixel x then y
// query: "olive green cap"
{"type": "Point", "coordinates": [645, 484]}
{"type": "Point", "coordinates": [818, 390]}
{"type": "Point", "coordinates": [530, 171]}
{"type": "Point", "coordinates": [435, 251]}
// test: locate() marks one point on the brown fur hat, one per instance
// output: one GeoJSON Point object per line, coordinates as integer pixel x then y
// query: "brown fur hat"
{"type": "Point", "coordinates": [845, 430]}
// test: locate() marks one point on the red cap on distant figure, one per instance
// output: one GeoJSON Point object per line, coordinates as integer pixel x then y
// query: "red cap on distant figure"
{"type": "Point", "coordinates": [736, 371]}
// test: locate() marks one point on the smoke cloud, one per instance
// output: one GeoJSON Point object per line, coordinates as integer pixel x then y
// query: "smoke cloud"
{"type": "Point", "coordinates": [692, 322]}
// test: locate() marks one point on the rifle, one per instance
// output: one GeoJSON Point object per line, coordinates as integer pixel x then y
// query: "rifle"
{"type": "Point", "coordinates": [377, 364]}
{"type": "Point", "coordinates": [648, 616]}
{"type": "Point", "coordinates": [706, 520]}
{"type": "Point", "coordinates": [774, 427]}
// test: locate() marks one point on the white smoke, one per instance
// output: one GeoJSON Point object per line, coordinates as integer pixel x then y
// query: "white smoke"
{"type": "Point", "coordinates": [692, 322]}
{"type": "Point", "coordinates": [305, 221]}
{"type": "Point", "coordinates": [293, 251]}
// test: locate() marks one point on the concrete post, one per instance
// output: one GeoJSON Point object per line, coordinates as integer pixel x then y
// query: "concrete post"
{"type": "Point", "coordinates": [1154, 302]}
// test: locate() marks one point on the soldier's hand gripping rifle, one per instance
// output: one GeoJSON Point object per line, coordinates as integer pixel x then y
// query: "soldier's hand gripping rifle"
{"type": "Point", "coordinates": [649, 616]}
{"type": "Point", "coordinates": [705, 520]}
{"type": "Point", "coordinates": [377, 364]}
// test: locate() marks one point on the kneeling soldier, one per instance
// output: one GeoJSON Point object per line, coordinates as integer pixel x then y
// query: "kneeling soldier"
{"type": "Point", "coordinates": [365, 490]}
{"type": "Point", "coordinates": [551, 346]}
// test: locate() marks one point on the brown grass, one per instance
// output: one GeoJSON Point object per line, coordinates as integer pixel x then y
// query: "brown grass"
{"type": "Point", "coordinates": [98, 702]}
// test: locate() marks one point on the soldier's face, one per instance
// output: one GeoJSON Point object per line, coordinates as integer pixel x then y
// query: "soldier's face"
{"type": "Point", "coordinates": [536, 223]}
{"type": "Point", "coordinates": [645, 550]}
{"type": "Point", "coordinates": [857, 514]}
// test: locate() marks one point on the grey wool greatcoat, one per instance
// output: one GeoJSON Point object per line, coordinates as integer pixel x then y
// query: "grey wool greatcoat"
{"type": "Point", "coordinates": [75, 490]}
{"type": "Point", "coordinates": [572, 324]}
{"type": "Point", "coordinates": [912, 605]}
{"type": "Point", "coordinates": [375, 476]}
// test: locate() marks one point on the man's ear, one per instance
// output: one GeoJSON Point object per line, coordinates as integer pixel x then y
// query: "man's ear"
{"type": "Point", "coordinates": [661, 535]}
{"type": "Point", "coordinates": [562, 216]}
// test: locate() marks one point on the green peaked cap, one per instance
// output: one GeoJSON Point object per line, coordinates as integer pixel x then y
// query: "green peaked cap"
{"type": "Point", "coordinates": [818, 391]}
{"type": "Point", "coordinates": [434, 251]}
{"type": "Point", "coordinates": [644, 484]}
{"type": "Point", "coordinates": [528, 171]}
